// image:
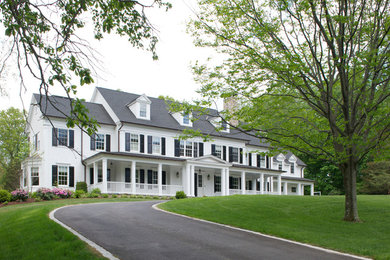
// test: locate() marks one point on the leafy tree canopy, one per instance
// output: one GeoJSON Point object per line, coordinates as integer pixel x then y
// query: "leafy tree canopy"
{"type": "Point", "coordinates": [45, 37]}
{"type": "Point", "coordinates": [310, 76]}
{"type": "Point", "coordinates": [14, 147]}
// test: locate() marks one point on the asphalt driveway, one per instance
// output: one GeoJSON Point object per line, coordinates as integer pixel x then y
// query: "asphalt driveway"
{"type": "Point", "coordinates": [134, 230]}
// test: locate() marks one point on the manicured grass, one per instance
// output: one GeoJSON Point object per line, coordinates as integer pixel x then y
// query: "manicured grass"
{"type": "Point", "coordinates": [26, 232]}
{"type": "Point", "coordinates": [314, 220]}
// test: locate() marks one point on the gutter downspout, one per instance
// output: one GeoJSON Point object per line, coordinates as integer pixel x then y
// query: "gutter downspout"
{"type": "Point", "coordinates": [119, 137]}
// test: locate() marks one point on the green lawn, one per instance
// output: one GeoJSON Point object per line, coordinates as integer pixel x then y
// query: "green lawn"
{"type": "Point", "coordinates": [26, 232]}
{"type": "Point", "coordinates": [314, 220]}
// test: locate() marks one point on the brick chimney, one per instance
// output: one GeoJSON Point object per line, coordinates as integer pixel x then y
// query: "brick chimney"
{"type": "Point", "coordinates": [230, 104]}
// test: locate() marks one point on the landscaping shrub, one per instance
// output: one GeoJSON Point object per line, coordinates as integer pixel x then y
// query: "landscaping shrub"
{"type": "Point", "coordinates": [5, 196]}
{"type": "Point", "coordinates": [20, 195]}
{"type": "Point", "coordinates": [78, 194]}
{"type": "Point", "coordinates": [45, 194]}
{"type": "Point", "coordinates": [180, 195]}
{"type": "Point", "coordinates": [92, 195]}
{"type": "Point", "coordinates": [115, 196]}
{"type": "Point", "coordinates": [60, 193]}
{"type": "Point", "coordinates": [81, 185]}
{"type": "Point", "coordinates": [96, 191]}
{"type": "Point", "coordinates": [105, 195]}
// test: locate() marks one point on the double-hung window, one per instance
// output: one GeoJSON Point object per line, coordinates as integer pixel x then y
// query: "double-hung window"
{"type": "Point", "coordinates": [35, 176]}
{"type": "Point", "coordinates": [186, 119]}
{"type": "Point", "coordinates": [280, 166]}
{"type": "Point", "coordinates": [186, 148]}
{"type": "Point", "coordinates": [217, 183]}
{"type": "Point", "coordinates": [292, 169]}
{"type": "Point", "coordinates": [218, 151]}
{"type": "Point", "coordinates": [142, 110]}
{"type": "Point", "coordinates": [154, 177]}
{"type": "Point", "coordinates": [99, 141]}
{"type": "Point", "coordinates": [62, 175]}
{"type": "Point", "coordinates": [262, 161]}
{"type": "Point", "coordinates": [234, 155]}
{"type": "Point", "coordinates": [36, 142]}
{"type": "Point", "coordinates": [156, 145]}
{"type": "Point", "coordinates": [62, 137]}
{"type": "Point", "coordinates": [134, 142]}
{"type": "Point", "coordinates": [234, 185]}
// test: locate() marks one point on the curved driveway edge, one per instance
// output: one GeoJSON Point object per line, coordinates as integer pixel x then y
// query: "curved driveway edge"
{"type": "Point", "coordinates": [98, 248]}
{"type": "Point", "coordinates": [155, 206]}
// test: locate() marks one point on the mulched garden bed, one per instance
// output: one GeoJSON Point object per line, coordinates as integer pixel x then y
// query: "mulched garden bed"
{"type": "Point", "coordinates": [29, 200]}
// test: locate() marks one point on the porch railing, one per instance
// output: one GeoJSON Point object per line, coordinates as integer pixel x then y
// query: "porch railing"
{"type": "Point", "coordinates": [140, 188]}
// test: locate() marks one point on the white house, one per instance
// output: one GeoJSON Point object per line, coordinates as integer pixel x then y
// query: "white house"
{"type": "Point", "coordinates": [137, 151]}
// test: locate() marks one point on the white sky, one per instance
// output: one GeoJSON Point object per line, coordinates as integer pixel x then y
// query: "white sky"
{"type": "Point", "coordinates": [132, 70]}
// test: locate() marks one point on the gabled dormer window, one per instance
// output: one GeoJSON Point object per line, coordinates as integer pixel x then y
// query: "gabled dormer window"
{"type": "Point", "coordinates": [186, 119]}
{"type": "Point", "coordinates": [292, 168]}
{"type": "Point", "coordinates": [141, 107]}
{"type": "Point", "coordinates": [183, 119]}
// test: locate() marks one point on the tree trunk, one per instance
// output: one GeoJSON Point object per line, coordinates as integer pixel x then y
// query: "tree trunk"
{"type": "Point", "coordinates": [349, 174]}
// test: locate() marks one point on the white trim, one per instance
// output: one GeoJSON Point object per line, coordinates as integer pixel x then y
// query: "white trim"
{"type": "Point", "coordinates": [100, 249]}
{"type": "Point", "coordinates": [261, 234]}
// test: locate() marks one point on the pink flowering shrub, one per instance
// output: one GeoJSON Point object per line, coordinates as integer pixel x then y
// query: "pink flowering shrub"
{"type": "Point", "coordinates": [19, 194]}
{"type": "Point", "coordinates": [63, 194]}
{"type": "Point", "coordinates": [49, 194]}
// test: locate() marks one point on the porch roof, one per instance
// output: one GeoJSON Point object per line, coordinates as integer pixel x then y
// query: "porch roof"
{"type": "Point", "coordinates": [256, 168]}
{"type": "Point", "coordinates": [137, 155]}
{"type": "Point", "coordinates": [296, 179]}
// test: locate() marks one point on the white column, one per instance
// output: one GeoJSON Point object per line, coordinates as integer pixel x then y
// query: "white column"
{"type": "Point", "coordinates": [104, 174]}
{"type": "Point", "coordinates": [159, 179]}
{"type": "Point", "coordinates": [243, 182]}
{"type": "Point", "coordinates": [192, 180]}
{"type": "Point", "coordinates": [133, 184]}
{"type": "Point", "coordinates": [223, 182]}
{"type": "Point", "coordinates": [254, 182]}
{"type": "Point", "coordinates": [312, 189]}
{"type": "Point", "coordinates": [279, 185]}
{"type": "Point", "coordinates": [299, 190]}
{"type": "Point", "coordinates": [261, 183]}
{"type": "Point", "coordinates": [271, 184]}
{"type": "Point", "coordinates": [95, 173]}
{"type": "Point", "coordinates": [187, 180]}
{"type": "Point", "coordinates": [285, 187]}
{"type": "Point", "coordinates": [303, 189]}
{"type": "Point", "coordinates": [227, 181]}
{"type": "Point", "coordinates": [28, 178]}
{"type": "Point", "coordinates": [183, 178]}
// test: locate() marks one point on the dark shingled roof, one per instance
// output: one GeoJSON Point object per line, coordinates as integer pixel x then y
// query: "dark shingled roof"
{"type": "Point", "coordinates": [62, 106]}
{"type": "Point", "coordinates": [162, 118]}
{"type": "Point", "coordinates": [286, 160]}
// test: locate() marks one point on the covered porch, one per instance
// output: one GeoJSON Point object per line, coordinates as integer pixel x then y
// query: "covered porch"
{"type": "Point", "coordinates": [132, 174]}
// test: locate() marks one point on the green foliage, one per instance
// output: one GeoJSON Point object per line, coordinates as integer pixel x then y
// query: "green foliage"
{"type": "Point", "coordinates": [14, 147]}
{"type": "Point", "coordinates": [78, 194]}
{"type": "Point", "coordinates": [68, 59]}
{"type": "Point", "coordinates": [114, 196]}
{"type": "Point", "coordinates": [180, 195]}
{"type": "Point", "coordinates": [92, 195]}
{"type": "Point", "coordinates": [376, 178]}
{"type": "Point", "coordinates": [105, 195]}
{"type": "Point", "coordinates": [82, 186]}
{"type": "Point", "coordinates": [5, 196]}
{"type": "Point", "coordinates": [97, 191]}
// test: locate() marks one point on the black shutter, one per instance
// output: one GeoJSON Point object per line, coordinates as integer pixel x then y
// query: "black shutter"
{"type": "Point", "coordinates": [54, 140]}
{"type": "Point", "coordinates": [215, 183]}
{"type": "Point", "coordinates": [239, 183]}
{"type": "Point", "coordinates": [258, 160]}
{"type": "Point", "coordinates": [150, 176]}
{"type": "Point", "coordinates": [162, 145]}
{"type": "Point", "coordinates": [91, 178]}
{"type": "Point", "coordinates": [249, 185]}
{"type": "Point", "coordinates": [150, 139]}
{"type": "Point", "coordinates": [213, 150]}
{"type": "Point", "coordinates": [127, 174]}
{"type": "Point", "coordinates": [108, 143]}
{"type": "Point", "coordinates": [201, 149]}
{"type": "Point", "coordinates": [195, 149]}
{"type": "Point", "coordinates": [54, 175]}
{"type": "Point", "coordinates": [267, 161]}
{"type": "Point", "coordinates": [141, 176]}
{"type": "Point", "coordinates": [230, 182]}
{"type": "Point", "coordinates": [164, 178]}
{"type": "Point", "coordinates": [241, 155]}
{"type": "Point", "coordinates": [142, 144]}
{"type": "Point", "coordinates": [127, 142]}
{"type": "Point", "coordinates": [250, 159]}
{"type": "Point", "coordinates": [257, 185]}
{"type": "Point", "coordinates": [93, 142]}
{"type": "Point", "coordinates": [71, 139]}
{"type": "Point", "coordinates": [224, 152]}
{"type": "Point", "coordinates": [71, 176]}
{"type": "Point", "coordinates": [230, 154]}
{"type": "Point", "coordinates": [177, 148]}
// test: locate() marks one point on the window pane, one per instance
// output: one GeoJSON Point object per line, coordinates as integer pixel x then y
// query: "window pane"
{"type": "Point", "coordinates": [156, 144]}
{"type": "Point", "coordinates": [280, 166]}
{"type": "Point", "coordinates": [186, 119]}
{"type": "Point", "coordinates": [154, 177]}
{"type": "Point", "coordinates": [200, 181]}
{"type": "Point", "coordinates": [35, 176]}
{"type": "Point", "coordinates": [134, 143]}
{"type": "Point", "coordinates": [188, 149]}
{"type": "Point", "coordinates": [182, 148]}
{"type": "Point", "coordinates": [292, 168]}
{"type": "Point", "coordinates": [99, 141]}
{"type": "Point", "coordinates": [235, 154]}
{"type": "Point", "coordinates": [62, 137]}
{"type": "Point", "coordinates": [142, 110]}
{"type": "Point", "coordinates": [62, 175]}
{"type": "Point", "coordinates": [218, 151]}
{"type": "Point", "coordinates": [217, 183]}
{"type": "Point", "coordinates": [262, 161]}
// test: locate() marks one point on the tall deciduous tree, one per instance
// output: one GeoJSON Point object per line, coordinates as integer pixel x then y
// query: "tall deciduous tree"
{"type": "Point", "coordinates": [310, 75]}
{"type": "Point", "coordinates": [45, 37]}
{"type": "Point", "coordinates": [14, 147]}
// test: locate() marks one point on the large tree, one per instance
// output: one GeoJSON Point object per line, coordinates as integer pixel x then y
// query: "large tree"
{"type": "Point", "coordinates": [47, 40]}
{"type": "Point", "coordinates": [14, 147]}
{"type": "Point", "coordinates": [310, 75]}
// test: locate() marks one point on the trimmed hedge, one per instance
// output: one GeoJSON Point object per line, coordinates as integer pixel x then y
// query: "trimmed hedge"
{"type": "Point", "coordinates": [5, 196]}
{"type": "Point", "coordinates": [81, 185]}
